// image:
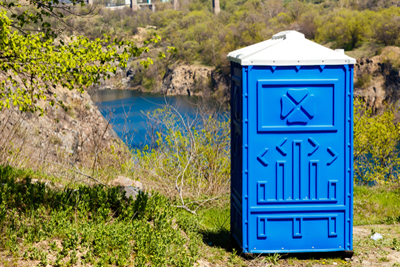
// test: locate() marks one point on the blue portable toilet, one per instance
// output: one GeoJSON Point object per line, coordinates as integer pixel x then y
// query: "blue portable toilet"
{"type": "Point", "coordinates": [292, 146]}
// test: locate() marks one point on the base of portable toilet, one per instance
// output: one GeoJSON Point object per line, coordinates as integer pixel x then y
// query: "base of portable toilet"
{"type": "Point", "coordinates": [291, 161]}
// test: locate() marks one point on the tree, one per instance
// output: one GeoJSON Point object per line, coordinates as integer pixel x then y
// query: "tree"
{"type": "Point", "coordinates": [346, 27]}
{"type": "Point", "coordinates": [376, 149]}
{"type": "Point", "coordinates": [387, 26]}
{"type": "Point", "coordinates": [35, 57]}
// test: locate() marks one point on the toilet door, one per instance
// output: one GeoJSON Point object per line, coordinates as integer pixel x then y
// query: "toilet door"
{"type": "Point", "coordinates": [297, 165]}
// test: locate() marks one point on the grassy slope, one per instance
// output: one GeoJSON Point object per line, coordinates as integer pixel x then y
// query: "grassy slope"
{"type": "Point", "coordinates": [376, 205]}
{"type": "Point", "coordinates": [44, 225]}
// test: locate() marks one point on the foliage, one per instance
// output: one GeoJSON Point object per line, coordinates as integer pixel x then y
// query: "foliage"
{"type": "Point", "coordinates": [96, 226]}
{"type": "Point", "coordinates": [387, 26]}
{"type": "Point", "coordinates": [376, 150]}
{"type": "Point", "coordinates": [32, 63]}
{"type": "Point", "coordinates": [376, 205]}
{"type": "Point", "coordinates": [350, 28]}
{"type": "Point", "coordinates": [347, 28]}
{"type": "Point", "coordinates": [274, 259]}
{"type": "Point", "coordinates": [190, 157]}
{"type": "Point", "coordinates": [202, 37]}
{"type": "Point", "coordinates": [390, 57]}
{"type": "Point", "coordinates": [395, 245]}
{"type": "Point", "coordinates": [101, 227]}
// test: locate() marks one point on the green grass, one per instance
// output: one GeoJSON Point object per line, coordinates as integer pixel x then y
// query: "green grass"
{"type": "Point", "coordinates": [91, 225]}
{"type": "Point", "coordinates": [376, 205]}
{"type": "Point", "coordinates": [366, 50]}
{"type": "Point", "coordinates": [44, 225]}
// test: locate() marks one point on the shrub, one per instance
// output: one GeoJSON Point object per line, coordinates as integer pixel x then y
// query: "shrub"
{"type": "Point", "coordinates": [387, 26]}
{"type": "Point", "coordinates": [391, 56]}
{"type": "Point", "coordinates": [363, 81]}
{"type": "Point", "coordinates": [376, 150]}
{"type": "Point", "coordinates": [190, 157]}
{"type": "Point", "coordinates": [94, 225]}
{"type": "Point", "coordinates": [347, 28]}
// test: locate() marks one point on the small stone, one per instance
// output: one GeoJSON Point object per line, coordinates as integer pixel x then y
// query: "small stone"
{"type": "Point", "coordinates": [138, 185]}
{"type": "Point", "coordinates": [130, 191]}
{"type": "Point", "coordinates": [122, 181]}
{"type": "Point", "coordinates": [347, 259]}
{"type": "Point", "coordinates": [335, 263]}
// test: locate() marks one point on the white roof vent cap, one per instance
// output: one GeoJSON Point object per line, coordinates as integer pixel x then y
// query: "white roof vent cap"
{"type": "Point", "coordinates": [288, 35]}
{"type": "Point", "coordinates": [341, 51]}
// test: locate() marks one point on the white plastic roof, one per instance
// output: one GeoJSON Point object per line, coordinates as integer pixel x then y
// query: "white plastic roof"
{"type": "Point", "coordinates": [289, 48]}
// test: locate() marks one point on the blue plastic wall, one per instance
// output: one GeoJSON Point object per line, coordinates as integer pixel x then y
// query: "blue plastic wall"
{"type": "Point", "coordinates": [292, 158]}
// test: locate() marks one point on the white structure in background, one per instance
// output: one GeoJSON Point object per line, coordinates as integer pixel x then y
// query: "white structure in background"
{"type": "Point", "coordinates": [138, 4]}
{"type": "Point", "coordinates": [143, 4]}
{"type": "Point", "coordinates": [147, 4]}
{"type": "Point", "coordinates": [216, 7]}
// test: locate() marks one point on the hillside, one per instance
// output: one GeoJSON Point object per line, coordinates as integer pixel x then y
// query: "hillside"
{"type": "Point", "coordinates": [367, 29]}
{"type": "Point", "coordinates": [60, 207]}
{"type": "Point", "coordinates": [362, 28]}
{"type": "Point", "coordinates": [96, 226]}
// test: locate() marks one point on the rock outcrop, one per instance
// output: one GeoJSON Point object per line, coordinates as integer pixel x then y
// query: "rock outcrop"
{"type": "Point", "coordinates": [74, 133]}
{"type": "Point", "coordinates": [192, 80]}
{"type": "Point", "coordinates": [377, 79]}
{"type": "Point", "coordinates": [183, 79]}
{"type": "Point", "coordinates": [124, 182]}
{"type": "Point", "coordinates": [187, 80]}
{"type": "Point", "coordinates": [127, 186]}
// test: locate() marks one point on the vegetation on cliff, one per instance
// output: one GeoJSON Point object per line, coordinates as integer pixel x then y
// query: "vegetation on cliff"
{"type": "Point", "coordinates": [205, 38]}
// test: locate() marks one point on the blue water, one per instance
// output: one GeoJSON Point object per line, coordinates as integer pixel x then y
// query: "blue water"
{"type": "Point", "coordinates": [126, 109]}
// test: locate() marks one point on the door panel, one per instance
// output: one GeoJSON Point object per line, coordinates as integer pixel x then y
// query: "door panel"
{"type": "Point", "coordinates": [297, 232]}
{"type": "Point", "coordinates": [297, 105]}
{"type": "Point", "coordinates": [309, 171]}
{"type": "Point", "coordinates": [297, 165]}
{"type": "Point", "coordinates": [236, 140]}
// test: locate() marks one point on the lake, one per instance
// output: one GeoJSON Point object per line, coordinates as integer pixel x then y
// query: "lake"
{"type": "Point", "coordinates": [125, 110]}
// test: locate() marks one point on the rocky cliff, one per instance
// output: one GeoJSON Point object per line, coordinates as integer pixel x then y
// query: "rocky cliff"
{"type": "Point", "coordinates": [377, 79]}
{"type": "Point", "coordinates": [194, 80]}
{"type": "Point", "coordinates": [73, 136]}
{"type": "Point", "coordinates": [178, 79]}
{"type": "Point", "coordinates": [187, 80]}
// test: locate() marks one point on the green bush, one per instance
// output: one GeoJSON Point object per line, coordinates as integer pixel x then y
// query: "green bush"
{"type": "Point", "coordinates": [347, 28]}
{"type": "Point", "coordinates": [391, 56]}
{"type": "Point", "coordinates": [386, 26]}
{"type": "Point", "coordinates": [94, 225]}
{"type": "Point", "coordinates": [363, 81]}
{"type": "Point", "coordinates": [200, 36]}
{"type": "Point", "coordinates": [376, 153]}
{"type": "Point", "coordinates": [190, 157]}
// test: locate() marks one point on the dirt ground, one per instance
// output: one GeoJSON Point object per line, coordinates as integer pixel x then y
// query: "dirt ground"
{"type": "Point", "coordinates": [367, 252]}
{"type": "Point", "coordinates": [383, 252]}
